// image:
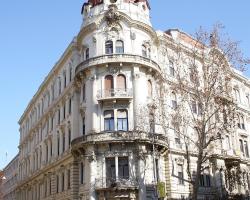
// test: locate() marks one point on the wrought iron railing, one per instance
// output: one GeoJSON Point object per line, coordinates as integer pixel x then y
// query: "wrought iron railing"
{"type": "Point", "coordinates": [114, 93]}
{"type": "Point", "coordinates": [111, 182]}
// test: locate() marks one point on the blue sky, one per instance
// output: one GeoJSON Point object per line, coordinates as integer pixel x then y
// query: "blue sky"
{"type": "Point", "coordinates": [34, 34]}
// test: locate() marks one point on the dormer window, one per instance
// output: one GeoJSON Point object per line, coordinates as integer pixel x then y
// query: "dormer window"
{"type": "Point", "coordinates": [109, 47]}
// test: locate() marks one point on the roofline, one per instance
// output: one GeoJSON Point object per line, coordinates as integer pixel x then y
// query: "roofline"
{"type": "Point", "coordinates": [10, 162]}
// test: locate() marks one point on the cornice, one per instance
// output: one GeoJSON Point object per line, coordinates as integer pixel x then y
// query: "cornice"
{"type": "Point", "coordinates": [47, 80]}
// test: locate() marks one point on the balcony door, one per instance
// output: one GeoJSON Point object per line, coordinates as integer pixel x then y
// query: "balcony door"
{"type": "Point", "coordinates": [121, 82]}
{"type": "Point", "coordinates": [109, 86]}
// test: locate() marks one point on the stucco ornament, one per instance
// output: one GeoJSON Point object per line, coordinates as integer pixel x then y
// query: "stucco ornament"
{"type": "Point", "coordinates": [112, 16]}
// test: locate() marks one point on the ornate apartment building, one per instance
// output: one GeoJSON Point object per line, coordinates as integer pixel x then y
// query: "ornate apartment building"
{"type": "Point", "coordinates": [79, 135]}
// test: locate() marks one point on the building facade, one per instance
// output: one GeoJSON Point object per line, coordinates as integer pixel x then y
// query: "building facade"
{"type": "Point", "coordinates": [80, 135]}
{"type": "Point", "coordinates": [9, 183]}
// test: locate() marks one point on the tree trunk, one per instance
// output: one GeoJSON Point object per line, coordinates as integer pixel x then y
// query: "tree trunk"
{"type": "Point", "coordinates": [197, 177]}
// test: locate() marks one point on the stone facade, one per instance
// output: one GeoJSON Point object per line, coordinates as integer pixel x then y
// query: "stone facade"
{"type": "Point", "coordinates": [79, 136]}
{"type": "Point", "coordinates": [11, 177]}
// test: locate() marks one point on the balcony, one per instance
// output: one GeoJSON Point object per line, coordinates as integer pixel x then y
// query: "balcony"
{"type": "Point", "coordinates": [106, 183]}
{"type": "Point", "coordinates": [120, 137]}
{"type": "Point", "coordinates": [112, 94]}
{"type": "Point", "coordinates": [118, 58]}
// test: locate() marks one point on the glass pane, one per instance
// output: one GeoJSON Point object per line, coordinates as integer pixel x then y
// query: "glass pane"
{"type": "Point", "coordinates": [111, 124]}
{"type": "Point", "coordinates": [125, 124]}
{"type": "Point", "coordinates": [119, 124]}
{"type": "Point", "coordinates": [106, 125]}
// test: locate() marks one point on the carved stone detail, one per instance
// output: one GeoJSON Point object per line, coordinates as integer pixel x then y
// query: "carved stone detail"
{"type": "Point", "coordinates": [112, 16]}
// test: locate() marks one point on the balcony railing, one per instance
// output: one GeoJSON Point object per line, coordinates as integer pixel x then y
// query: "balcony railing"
{"type": "Point", "coordinates": [120, 136]}
{"type": "Point", "coordinates": [114, 93]}
{"type": "Point", "coordinates": [121, 183]}
{"type": "Point", "coordinates": [117, 58]}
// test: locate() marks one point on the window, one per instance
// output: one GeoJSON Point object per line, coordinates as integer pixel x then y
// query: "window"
{"type": "Point", "coordinates": [69, 137]}
{"type": "Point", "coordinates": [123, 168]}
{"type": "Point", "coordinates": [150, 89]}
{"type": "Point", "coordinates": [202, 181]}
{"type": "Point", "coordinates": [81, 173]}
{"type": "Point", "coordinates": [109, 47]}
{"type": "Point", "coordinates": [83, 92]}
{"type": "Point", "coordinates": [228, 146]}
{"type": "Point", "coordinates": [194, 107]}
{"type": "Point", "coordinates": [242, 122]}
{"type": "Point", "coordinates": [63, 147]}
{"type": "Point", "coordinates": [64, 111]}
{"type": "Point", "coordinates": [58, 145]}
{"type": "Point", "coordinates": [110, 170]}
{"type": "Point", "coordinates": [83, 126]}
{"type": "Point", "coordinates": [205, 180]}
{"type": "Point", "coordinates": [70, 104]}
{"type": "Point", "coordinates": [171, 69]}
{"type": "Point", "coordinates": [109, 85]}
{"type": "Point", "coordinates": [144, 51]}
{"type": "Point", "coordinates": [241, 146]}
{"type": "Point", "coordinates": [109, 120]}
{"type": "Point", "coordinates": [157, 170]}
{"type": "Point", "coordinates": [59, 85]}
{"type": "Point", "coordinates": [122, 120]}
{"type": "Point", "coordinates": [57, 184]}
{"type": "Point", "coordinates": [63, 182]}
{"type": "Point", "coordinates": [180, 174]}
{"type": "Point", "coordinates": [121, 81]}
{"type": "Point", "coordinates": [236, 94]}
{"type": "Point", "coordinates": [173, 101]}
{"type": "Point", "coordinates": [65, 79]}
{"type": "Point", "coordinates": [58, 117]}
{"type": "Point", "coordinates": [197, 108]}
{"type": "Point", "coordinates": [47, 152]}
{"type": "Point", "coordinates": [119, 46]}
{"type": "Point", "coordinates": [246, 149]}
{"type": "Point", "coordinates": [247, 100]}
{"type": "Point", "coordinates": [87, 54]}
{"type": "Point", "coordinates": [52, 123]}
{"type": "Point", "coordinates": [68, 179]}
{"type": "Point", "coordinates": [70, 74]}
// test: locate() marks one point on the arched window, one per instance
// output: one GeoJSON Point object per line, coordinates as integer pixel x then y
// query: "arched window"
{"type": "Point", "coordinates": [242, 122]}
{"type": "Point", "coordinates": [173, 101]}
{"type": "Point", "coordinates": [109, 47]}
{"type": "Point", "coordinates": [87, 54]}
{"type": "Point", "coordinates": [109, 120]}
{"type": "Point", "coordinates": [150, 89]}
{"type": "Point", "coordinates": [122, 120]}
{"type": "Point", "coordinates": [109, 85]}
{"type": "Point", "coordinates": [119, 46]}
{"type": "Point", "coordinates": [144, 51]}
{"type": "Point", "coordinates": [121, 82]}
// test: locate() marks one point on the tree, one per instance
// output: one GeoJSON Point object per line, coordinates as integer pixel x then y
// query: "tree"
{"type": "Point", "coordinates": [206, 108]}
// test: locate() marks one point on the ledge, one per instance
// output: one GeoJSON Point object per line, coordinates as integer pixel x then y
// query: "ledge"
{"type": "Point", "coordinates": [118, 58]}
{"type": "Point", "coordinates": [120, 137]}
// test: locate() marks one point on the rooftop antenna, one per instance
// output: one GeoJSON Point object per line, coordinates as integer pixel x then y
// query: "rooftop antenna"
{"type": "Point", "coordinates": [6, 156]}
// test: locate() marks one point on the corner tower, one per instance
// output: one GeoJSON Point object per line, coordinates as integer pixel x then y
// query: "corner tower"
{"type": "Point", "coordinates": [138, 10]}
